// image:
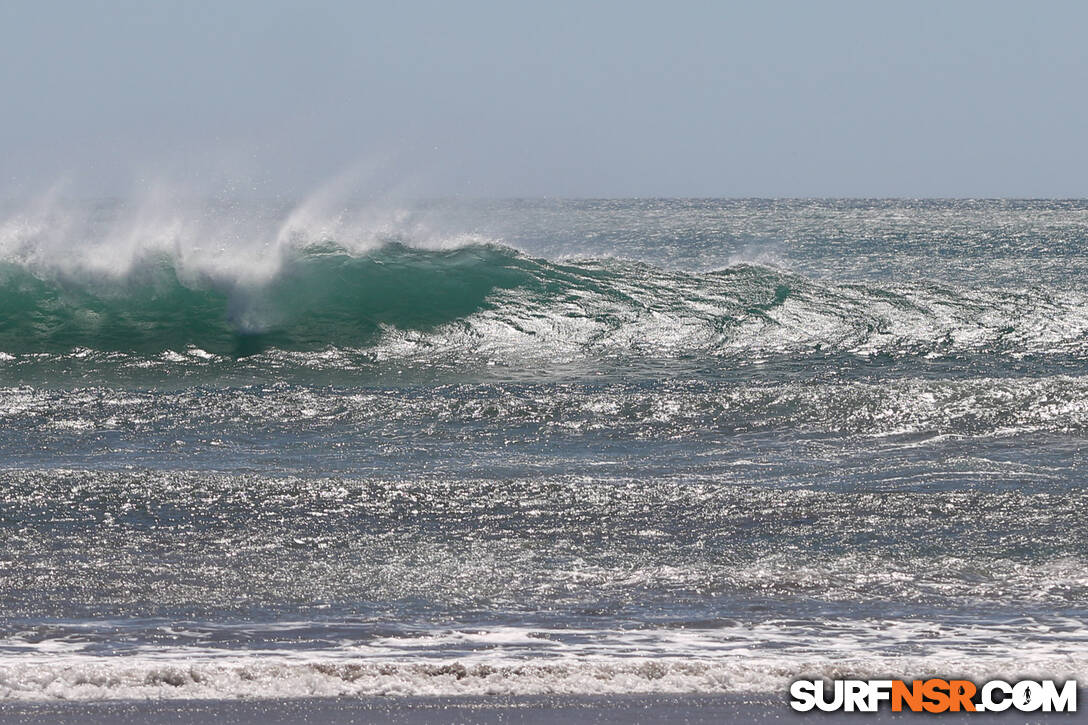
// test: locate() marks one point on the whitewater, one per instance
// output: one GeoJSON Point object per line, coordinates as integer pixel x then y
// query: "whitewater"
{"type": "Point", "coordinates": [267, 449]}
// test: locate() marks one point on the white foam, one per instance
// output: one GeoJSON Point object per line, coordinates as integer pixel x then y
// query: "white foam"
{"type": "Point", "coordinates": [235, 250]}
{"type": "Point", "coordinates": [519, 661]}
{"type": "Point", "coordinates": [265, 677]}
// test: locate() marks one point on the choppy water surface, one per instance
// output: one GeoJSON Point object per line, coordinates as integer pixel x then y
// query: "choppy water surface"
{"type": "Point", "coordinates": [539, 446]}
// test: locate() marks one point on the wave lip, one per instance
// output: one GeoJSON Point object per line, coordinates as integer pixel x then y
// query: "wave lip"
{"type": "Point", "coordinates": [322, 296]}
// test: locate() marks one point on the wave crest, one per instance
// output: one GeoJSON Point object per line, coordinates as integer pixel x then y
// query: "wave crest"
{"type": "Point", "coordinates": [322, 296]}
{"type": "Point", "coordinates": [400, 301]}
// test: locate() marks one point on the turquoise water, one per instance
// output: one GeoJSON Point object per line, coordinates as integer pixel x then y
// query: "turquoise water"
{"type": "Point", "coordinates": [534, 446]}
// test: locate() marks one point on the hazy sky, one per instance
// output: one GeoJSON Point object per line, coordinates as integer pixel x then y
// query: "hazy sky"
{"type": "Point", "coordinates": [548, 98]}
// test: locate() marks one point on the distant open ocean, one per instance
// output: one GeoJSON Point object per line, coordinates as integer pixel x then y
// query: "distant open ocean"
{"type": "Point", "coordinates": [525, 447]}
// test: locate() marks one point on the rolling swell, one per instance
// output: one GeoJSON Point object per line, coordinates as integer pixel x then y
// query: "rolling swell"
{"type": "Point", "coordinates": [481, 298]}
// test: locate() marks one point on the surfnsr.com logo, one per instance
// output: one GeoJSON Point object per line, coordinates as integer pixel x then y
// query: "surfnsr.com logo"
{"type": "Point", "coordinates": [933, 695]}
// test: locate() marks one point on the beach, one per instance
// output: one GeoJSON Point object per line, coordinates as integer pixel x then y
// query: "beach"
{"type": "Point", "coordinates": [611, 453]}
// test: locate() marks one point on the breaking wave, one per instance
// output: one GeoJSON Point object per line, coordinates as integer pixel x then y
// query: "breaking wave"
{"type": "Point", "coordinates": [738, 658]}
{"type": "Point", "coordinates": [322, 296]}
{"type": "Point", "coordinates": [398, 299]}
{"type": "Point", "coordinates": [275, 677]}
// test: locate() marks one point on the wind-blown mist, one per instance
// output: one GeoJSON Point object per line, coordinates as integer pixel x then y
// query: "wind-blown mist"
{"type": "Point", "coordinates": [389, 284]}
{"type": "Point", "coordinates": [539, 446]}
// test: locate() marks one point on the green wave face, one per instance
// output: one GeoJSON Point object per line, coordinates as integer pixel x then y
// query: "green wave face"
{"type": "Point", "coordinates": [320, 297]}
{"type": "Point", "coordinates": [488, 302]}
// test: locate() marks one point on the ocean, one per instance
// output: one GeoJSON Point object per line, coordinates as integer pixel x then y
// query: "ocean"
{"type": "Point", "coordinates": [275, 449]}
